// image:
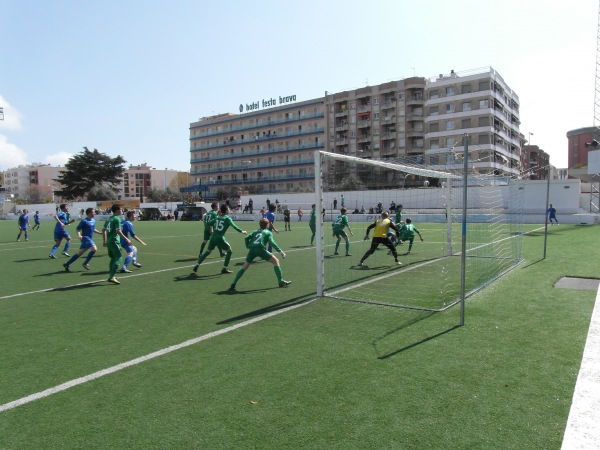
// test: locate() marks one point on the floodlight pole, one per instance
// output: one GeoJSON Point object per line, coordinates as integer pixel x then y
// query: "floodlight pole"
{"type": "Point", "coordinates": [463, 257]}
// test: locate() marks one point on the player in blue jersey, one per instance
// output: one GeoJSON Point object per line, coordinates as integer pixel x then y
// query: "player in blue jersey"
{"type": "Point", "coordinates": [23, 225]}
{"type": "Point", "coordinates": [63, 218]}
{"type": "Point", "coordinates": [129, 232]}
{"type": "Point", "coordinates": [85, 232]}
{"type": "Point", "coordinates": [36, 221]}
{"type": "Point", "coordinates": [270, 216]}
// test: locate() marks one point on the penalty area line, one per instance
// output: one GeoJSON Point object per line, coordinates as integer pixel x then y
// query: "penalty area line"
{"type": "Point", "coordinates": [110, 370]}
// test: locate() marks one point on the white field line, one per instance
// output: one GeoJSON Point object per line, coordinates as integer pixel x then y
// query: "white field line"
{"type": "Point", "coordinates": [136, 361]}
{"type": "Point", "coordinates": [583, 426]}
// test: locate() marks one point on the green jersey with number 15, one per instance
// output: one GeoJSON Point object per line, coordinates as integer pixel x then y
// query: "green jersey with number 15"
{"type": "Point", "coordinates": [220, 225]}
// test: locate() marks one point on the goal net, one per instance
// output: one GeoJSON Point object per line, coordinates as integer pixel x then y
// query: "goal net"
{"type": "Point", "coordinates": [434, 273]}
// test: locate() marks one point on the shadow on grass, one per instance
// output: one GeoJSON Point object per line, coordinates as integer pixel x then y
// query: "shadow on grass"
{"type": "Point", "coordinates": [30, 260]}
{"type": "Point", "coordinates": [266, 309]}
{"type": "Point", "coordinates": [75, 287]}
{"type": "Point", "coordinates": [408, 323]}
{"type": "Point", "coordinates": [186, 260]}
{"type": "Point", "coordinates": [195, 277]}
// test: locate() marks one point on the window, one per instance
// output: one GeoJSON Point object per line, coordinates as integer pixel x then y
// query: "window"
{"type": "Point", "coordinates": [450, 125]}
{"type": "Point", "coordinates": [484, 121]}
{"type": "Point", "coordinates": [449, 108]}
{"type": "Point", "coordinates": [466, 106]}
{"type": "Point", "coordinates": [434, 143]}
{"type": "Point", "coordinates": [450, 90]}
{"type": "Point", "coordinates": [434, 94]}
{"type": "Point", "coordinates": [466, 123]}
{"type": "Point", "coordinates": [401, 96]}
{"type": "Point", "coordinates": [375, 116]}
{"type": "Point", "coordinates": [484, 104]}
{"type": "Point", "coordinates": [450, 142]}
{"type": "Point", "coordinates": [434, 110]}
{"type": "Point", "coordinates": [484, 85]}
{"type": "Point", "coordinates": [434, 127]}
{"type": "Point", "coordinates": [465, 89]}
{"type": "Point", "coordinates": [376, 101]}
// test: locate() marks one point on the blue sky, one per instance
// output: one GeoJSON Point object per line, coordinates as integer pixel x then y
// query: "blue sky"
{"type": "Point", "coordinates": [128, 77]}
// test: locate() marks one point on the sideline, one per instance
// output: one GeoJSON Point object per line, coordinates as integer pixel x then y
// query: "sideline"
{"type": "Point", "coordinates": [583, 426]}
{"type": "Point", "coordinates": [136, 361]}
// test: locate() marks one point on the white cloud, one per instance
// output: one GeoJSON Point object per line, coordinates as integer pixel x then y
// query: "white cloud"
{"type": "Point", "coordinates": [58, 159]}
{"type": "Point", "coordinates": [12, 117]}
{"type": "Point", "coordinates": [10, 155]}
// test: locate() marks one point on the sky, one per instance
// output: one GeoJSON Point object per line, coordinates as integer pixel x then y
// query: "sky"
{"type": "Point", "coordinates": [128, 77]}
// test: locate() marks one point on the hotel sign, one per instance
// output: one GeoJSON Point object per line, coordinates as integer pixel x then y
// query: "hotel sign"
{"type": "Point", "coordinates": [267, 103]}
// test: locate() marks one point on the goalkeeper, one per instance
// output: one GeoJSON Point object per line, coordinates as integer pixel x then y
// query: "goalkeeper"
{"type": "Point", "coordinates": [256, 243]}
{"type": "Point", "coordinates": [381, 226]}
{"type": "Point", "coordinates": [407, 233]}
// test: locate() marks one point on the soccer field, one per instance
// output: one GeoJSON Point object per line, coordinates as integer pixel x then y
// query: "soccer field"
{"type": "Point", "coordinates": [170, 359]}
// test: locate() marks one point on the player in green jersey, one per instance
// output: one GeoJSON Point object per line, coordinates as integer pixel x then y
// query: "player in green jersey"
{"type": "Point", "coordinates": [398, 217]}
{"type": "Point", "coordinates": [220, 224]}
{"type": "Point", "coordinates": [407, 233]}
{"type": "Point", "coordinates": [338, 226]}
{"type": "Point", "coordinates": [312, 223]}
{"type": "Point", "coordinates": [110, 237]}
{"type": "Point", "coordinates": [208, 218]}
{"type": "Point", "coordinates": [256, 243]}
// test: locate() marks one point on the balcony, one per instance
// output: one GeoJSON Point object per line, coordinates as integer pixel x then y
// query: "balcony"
{"type": "Point", "coordinates": [364, 108]}
{"type": "Point", "coordinates": [364, 138]}
{"type": "Point", "coordinates": [415, 133]}
{"type": "Point", "coordinates": [417, 100]}
{"type": "Point", "coordinates": [248, 153]}
{"type": "Point", "coordinates": [364, 123]}
{"type": "Point", "coordinates": [388, 135]}
{"type": "Point", "coordinates": [341, 112]}
{"type": "Point", "coordinates": [414, 117]}
{"type": "Point", "coordinates": [388, 104]}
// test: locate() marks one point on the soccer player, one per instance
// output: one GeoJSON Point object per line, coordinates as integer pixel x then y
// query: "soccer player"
{"type": "Point", "coordinates": [208, 218]}
{"type": "Point", "coordinates": [312, 223]}
{"type": "Point", "coordinates": [287, 216]}
{"type": "Point", "coordinates": [552, 214]}
{"type": "Point", "coordinates": [36, 221]}
{"type": "Point", "coordinates": [63, 218]}
{"type": "Point", "coordinates": [407, 233]}
{"type": "Point", "coordinates": [256, 243]}
{"type": "Point", "coordinates": [338, 226]}
{"type": "Point", "coordinates": [217, 239]}
{"type": "Point", "coordinates": [398, 218]}
{"type": "Point", "coordinates": [110, 236]}
{"type": "Point", "coordinates": [381, 226]}
{"type": "Point", "coordinates": [85, 232]}
{"type": "Point", "coordinates": [23, 225]}
{"type": "Point", "coordinates": [270, 216]}
{"type": "Point", "coordinates": [129, 233]}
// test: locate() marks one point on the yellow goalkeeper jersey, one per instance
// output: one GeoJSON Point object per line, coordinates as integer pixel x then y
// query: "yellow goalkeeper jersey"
{"type": "Point", "coordinates": [381, 227]}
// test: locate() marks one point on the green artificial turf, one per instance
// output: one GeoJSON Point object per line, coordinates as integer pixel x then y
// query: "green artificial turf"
{"type": "Point", "coordinates": [327, 374]}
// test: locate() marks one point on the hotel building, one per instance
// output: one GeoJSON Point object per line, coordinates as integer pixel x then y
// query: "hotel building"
{"type": "Point", "coordinates": [416, 119]}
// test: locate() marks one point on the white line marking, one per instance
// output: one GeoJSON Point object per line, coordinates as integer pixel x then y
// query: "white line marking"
{"type": "Point", "coordinates": [136, 361]}
{"type": "Point", "coordinates": [583, 425]}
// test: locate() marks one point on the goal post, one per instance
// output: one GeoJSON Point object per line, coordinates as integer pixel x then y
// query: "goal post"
{"type": "Point", "coordinates": [428, 203]}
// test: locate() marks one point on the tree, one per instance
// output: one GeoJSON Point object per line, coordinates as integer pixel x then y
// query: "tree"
{"type": "Point", "coordinates": [101, 193]}
{"type": "Point", "coordinates": [86, 170]}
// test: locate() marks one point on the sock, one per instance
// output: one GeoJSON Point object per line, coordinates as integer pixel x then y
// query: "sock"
{"type": "Point", "coordinates": [348, 246]}
{"type": "Point", "coordinates": [202, 247]}
{"type": "Point", "coordinates": [67, 245]}
{"type": "Point", "coordinates": [238, 275]}
{"type": "Point", "coordinates": [27, 236]}
{"type": "Point", "coordinates": [337, 245]}
{"type": "Point", "coordinates": [127, 261]}
{"type": "Point", "coordinates": [72, 259]}
{"type": "Point", "coordinates": [134, 257]}
{"type": "Point", "coordinates": [53, 251]}
{"type": "Point", "coordinates": [203, 257]}
{"type": "Point", "coordinates": [227, 259]}
{"type": "Point", "coordinates": [278, 273]}
{"type": "Point", "coordinates": [89, 257]}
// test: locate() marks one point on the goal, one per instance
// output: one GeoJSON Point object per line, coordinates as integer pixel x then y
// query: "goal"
{"type": "Point", "coordinates": [471, 225]}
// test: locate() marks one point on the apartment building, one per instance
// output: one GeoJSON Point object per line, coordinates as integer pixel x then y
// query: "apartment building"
{"type": "Point", "coordinates": [417, 119]}
{"type": "Point", "coordinates": [481, 104]}
{"type": "Point", "coordinates": [264, 151]}
{"type": "Point", "coordinates": [36, 183]}
{"type": "Point", "coordinates": [535, 163]}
